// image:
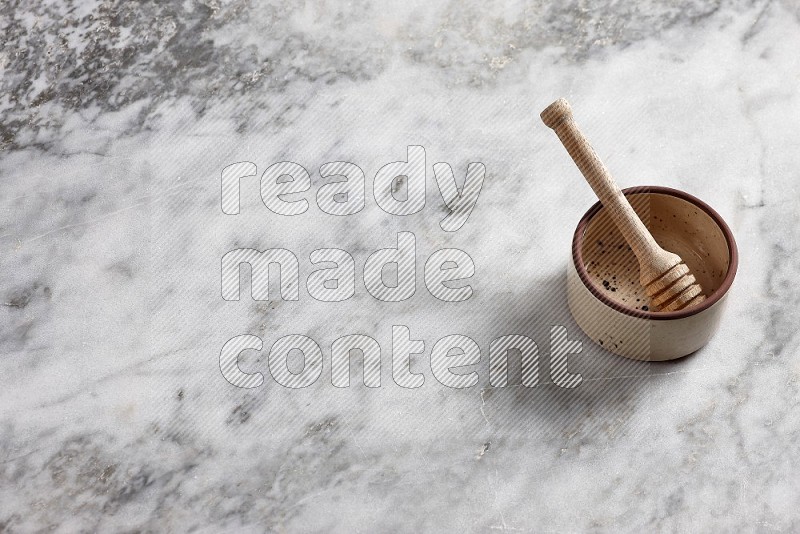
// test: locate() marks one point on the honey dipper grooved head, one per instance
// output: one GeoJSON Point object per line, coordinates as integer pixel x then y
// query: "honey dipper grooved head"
{"type": "Point", "coordinates": [675, 290]}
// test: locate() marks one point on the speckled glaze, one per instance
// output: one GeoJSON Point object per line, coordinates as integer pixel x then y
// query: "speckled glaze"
{"type": "Point", "coordinates": [604, 293]}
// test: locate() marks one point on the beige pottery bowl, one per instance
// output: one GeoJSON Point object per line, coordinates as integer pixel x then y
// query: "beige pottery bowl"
{"type": "Point", "coordinates": [603, 289]}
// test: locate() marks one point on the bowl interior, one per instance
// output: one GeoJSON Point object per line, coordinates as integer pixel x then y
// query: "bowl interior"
{"type": "Point", "coordinates": [677, 224]}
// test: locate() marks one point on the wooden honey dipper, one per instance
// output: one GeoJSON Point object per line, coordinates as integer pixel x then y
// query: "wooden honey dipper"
{"type": "Point", "coordinates": [663, 275]}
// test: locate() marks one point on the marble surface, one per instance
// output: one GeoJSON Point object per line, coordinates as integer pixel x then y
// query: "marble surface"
{"type": "Point", "coordinates": [117, 120]}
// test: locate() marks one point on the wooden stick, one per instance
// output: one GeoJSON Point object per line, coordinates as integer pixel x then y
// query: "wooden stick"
{"type": "Point", "coordinates": [664, 276]}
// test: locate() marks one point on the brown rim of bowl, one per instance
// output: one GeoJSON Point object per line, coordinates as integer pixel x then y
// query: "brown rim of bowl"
{"type": "Point", "coordinates": [733, 257]}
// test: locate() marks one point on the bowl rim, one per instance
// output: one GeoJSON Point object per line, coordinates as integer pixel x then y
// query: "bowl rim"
{"type": "Point", "coordinates": [733, 257]}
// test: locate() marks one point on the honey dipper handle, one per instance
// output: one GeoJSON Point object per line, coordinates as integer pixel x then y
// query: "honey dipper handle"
{"type": "Point", "coordinates": [558, 116]}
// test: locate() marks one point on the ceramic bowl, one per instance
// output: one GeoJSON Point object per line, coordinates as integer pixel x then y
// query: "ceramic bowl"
{"type": "Point", "coordinates": [603, 289]}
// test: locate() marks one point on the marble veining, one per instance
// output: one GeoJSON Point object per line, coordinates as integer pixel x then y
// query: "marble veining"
{"type": "Point", "coordinates": [117, 120]}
